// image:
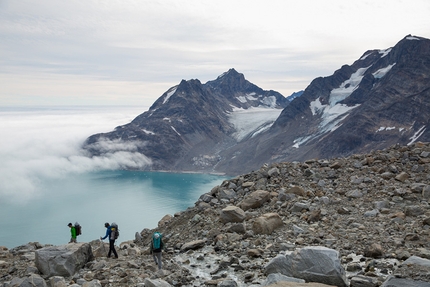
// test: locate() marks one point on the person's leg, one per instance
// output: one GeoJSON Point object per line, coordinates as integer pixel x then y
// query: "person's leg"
{"type": "Point", "coordinates": [113, 249]}
{"type": "Point", "coordinates": [158, 254]}
{"type": "Point", "coordinates": [154, 255]}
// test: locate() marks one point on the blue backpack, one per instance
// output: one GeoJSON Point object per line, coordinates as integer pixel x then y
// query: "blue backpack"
{"type": "Point", "coordinates": [156, 240]}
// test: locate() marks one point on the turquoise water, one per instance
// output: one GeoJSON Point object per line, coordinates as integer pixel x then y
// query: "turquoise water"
{"type": "Point", "coordinates": [134, 200]}
{"type": "Point", "coordinates": [46, 181]}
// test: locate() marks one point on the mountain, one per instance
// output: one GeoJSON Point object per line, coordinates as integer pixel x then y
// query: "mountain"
{"type": "Point", "coordinates": [382, 99]}
{"type": "Point", "coordinates": [231, 126]}
{"type": "Point", "coordinates": [191, 123]}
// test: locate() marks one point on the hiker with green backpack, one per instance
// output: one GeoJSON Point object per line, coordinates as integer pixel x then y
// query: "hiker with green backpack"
{"type": "Point", "coordinates": [156, 247]}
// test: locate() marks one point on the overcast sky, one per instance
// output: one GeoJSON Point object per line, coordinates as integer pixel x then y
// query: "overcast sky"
{"type": "Point", "coordinates": [129, 52]}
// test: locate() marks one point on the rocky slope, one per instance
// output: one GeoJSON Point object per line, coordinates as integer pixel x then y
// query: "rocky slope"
{"type": "Point", "coordinates": [373, 209]}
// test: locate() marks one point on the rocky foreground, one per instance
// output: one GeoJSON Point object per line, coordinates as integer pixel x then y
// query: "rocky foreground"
{"type": "Point", "coordinates": [361, 221]}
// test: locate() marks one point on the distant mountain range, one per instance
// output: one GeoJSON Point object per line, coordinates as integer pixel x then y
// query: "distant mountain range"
{"type": "Point", "coordinates": [231, 126]}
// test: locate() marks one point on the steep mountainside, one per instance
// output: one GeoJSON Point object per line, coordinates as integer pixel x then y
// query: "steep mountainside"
{"type": "Point", "coordinates": [187, 127]}
{"type": "Point", "coordinates": [380, 100]}
{"type": "Point", "coordinates": [231, 126]}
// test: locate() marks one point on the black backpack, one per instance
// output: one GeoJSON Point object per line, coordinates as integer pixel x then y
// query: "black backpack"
{"type": "Point", "coordinates": [78, 229]}
{"type": "Point", "coordinates": [114, 231]}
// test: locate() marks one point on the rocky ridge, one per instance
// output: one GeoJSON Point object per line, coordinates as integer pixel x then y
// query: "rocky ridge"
{"type": "Point", "coordinates": [372, 209]}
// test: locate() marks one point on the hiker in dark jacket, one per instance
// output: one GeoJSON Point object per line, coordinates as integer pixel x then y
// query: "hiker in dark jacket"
{"type": "Point", "coordinates": [111, 237]}
{"type": "Point", "coordinates": [156, 247]}
{"type": "Point", "coordinates": [72, 232]}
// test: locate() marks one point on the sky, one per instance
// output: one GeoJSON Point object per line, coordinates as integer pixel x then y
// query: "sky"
{"type": "Point", "coordinates": [130, 52]}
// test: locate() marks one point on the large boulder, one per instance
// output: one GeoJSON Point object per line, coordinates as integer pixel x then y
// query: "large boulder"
{"type": "Point", "coordinates": [313, 264]}
{"type": "Point", "coordinates": [63, 260]}
{"type": "Point", "coordinates": [232, 214]}
{"type": "Point", "coordinates": [267, 223]}
{"type": "Point", "coordinates": [255, 199]}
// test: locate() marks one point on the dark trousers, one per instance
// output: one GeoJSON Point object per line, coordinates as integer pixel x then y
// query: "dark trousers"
{"type": "Point", "coordinates": [112, 248]}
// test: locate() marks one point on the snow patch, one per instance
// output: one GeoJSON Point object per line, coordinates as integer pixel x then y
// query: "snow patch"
{"type": "Point", "coordinates": [417, 135]}
{"type": "Point", "coordinates": [382, 72]}
{"type": "Point", "coordinates": [412, 38]}
{"type": "Point", "coordinates": [167, 119]}
{"type": "Point", "coordinates": [148, 132]}
{"type": "Point", "coordinates": [175, 131]}
{"type": "Point", "coordinates": [385, 52]}
{"type": "Point", "coordinates": [169, 94]}
{"type": "Point", "coordinates": [251, 121]}
{"type": "Point", "coordinates": [388, 129]}
{"type": "Point", "coordinates": [331, 116]}
{"type": "Point", "coordinates": [347, 87]}
{"type": "Point", "coordinates": [365, 56]}
{"type": "Point", "coordinates": [269, 101]}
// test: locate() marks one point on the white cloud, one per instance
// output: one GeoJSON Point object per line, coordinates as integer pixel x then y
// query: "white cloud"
{"type": "Point", "coordinates": [47, 144]}
{"type": "Point", "coordinates": [133, 51]}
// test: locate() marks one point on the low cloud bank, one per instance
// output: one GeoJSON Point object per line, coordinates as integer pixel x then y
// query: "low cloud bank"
{"type": "Point", "coordinates": [39, 144]}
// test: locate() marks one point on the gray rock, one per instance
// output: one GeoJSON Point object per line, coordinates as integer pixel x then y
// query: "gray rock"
{"type": "Point", "coordinates": [232, 214]}
{"type": "Point", "coordinates": [156, 283]}
{"type": "Point", "coordinates": [401, 282]}
{"type": "Point", "coordinates": [63, 260]}
{"type": "Point", "coordinates": [34, 280]}
{"type": "Point", "coordinates": [267, 223]}
{"type": "Point", "coordinates": [313, 264]}
{"type": "Point", "coordinates": [277, 277]}
{"type": "Point", "coordinates": [363, 281]}
{"type": "Point", "coordinates": [417, 260]}
{"type": "Point", "coordinates": [193, 245]}
{"type": "Point", "coordinates": [255, 199]}
{"type": "Point", "coordinates": [227, 283]}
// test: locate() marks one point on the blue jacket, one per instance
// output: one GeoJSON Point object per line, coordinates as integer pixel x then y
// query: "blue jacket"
{"type": "Point", "coordinates": [108, 231]}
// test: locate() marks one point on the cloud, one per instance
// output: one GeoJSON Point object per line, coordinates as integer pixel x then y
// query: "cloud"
{"type": "Point", "coordinates": [41, 144]}
{"type": "Point", "coordinates": [90, 51]}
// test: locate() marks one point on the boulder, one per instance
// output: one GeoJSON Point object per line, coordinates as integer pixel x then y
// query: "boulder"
{"type": "Point", "coordinates": [156, 283]}
{"type": "Point", "coordinates": [267, 223]}
{"type": "Point", "coordinates": [255, 199]}
{"type": "Point", "coordinates": [313, 264]}
{"type": "Point", "coordinates": [232, 214]}
{"type": "Point", "coordinates": [192, 245]}
{"type": "Point", "coordinates": [63, 260]}
{"type": "Point", "coordinates": [34, 280]}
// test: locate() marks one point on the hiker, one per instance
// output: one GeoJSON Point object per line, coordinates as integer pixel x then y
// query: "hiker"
{"type": "Point", "coordinates": [111, 236]}
{"type": "Point", "coordinates": [156, 247]}
{"type": "Point", "coordinates": [72, 232]}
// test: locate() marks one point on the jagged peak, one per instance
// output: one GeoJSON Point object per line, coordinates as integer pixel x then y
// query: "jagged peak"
{"type": "Point", "coordinates": [230, 72]}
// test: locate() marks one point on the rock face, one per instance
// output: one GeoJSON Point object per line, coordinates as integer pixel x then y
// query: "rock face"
{"type": "Point", "coordinates": [187, 127]}
{"type": "Point", "coordinates": [382, 99]}
{"type": "Point", "coordinates": [63, 260]}
{"type": "Point", "coordinates": [337, 222]}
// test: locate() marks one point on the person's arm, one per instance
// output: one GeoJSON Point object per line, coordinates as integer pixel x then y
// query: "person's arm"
{"type": "Point", "coordinates": [73, 231]}
{"type": "Point", "coordinates": [107, 233]}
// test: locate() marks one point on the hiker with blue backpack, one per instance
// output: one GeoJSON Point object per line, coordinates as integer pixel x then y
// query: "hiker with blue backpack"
{"type": "Point", "coordinates": [112, 233]}
{"type": "Point", "coordinates": [156, 247]}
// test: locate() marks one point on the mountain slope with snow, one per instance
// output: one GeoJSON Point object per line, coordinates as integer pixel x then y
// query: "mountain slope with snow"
{"type": "Point", "coordinates": [229, 125]}
{"type": "Point", "coordinates": [382, 99]}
